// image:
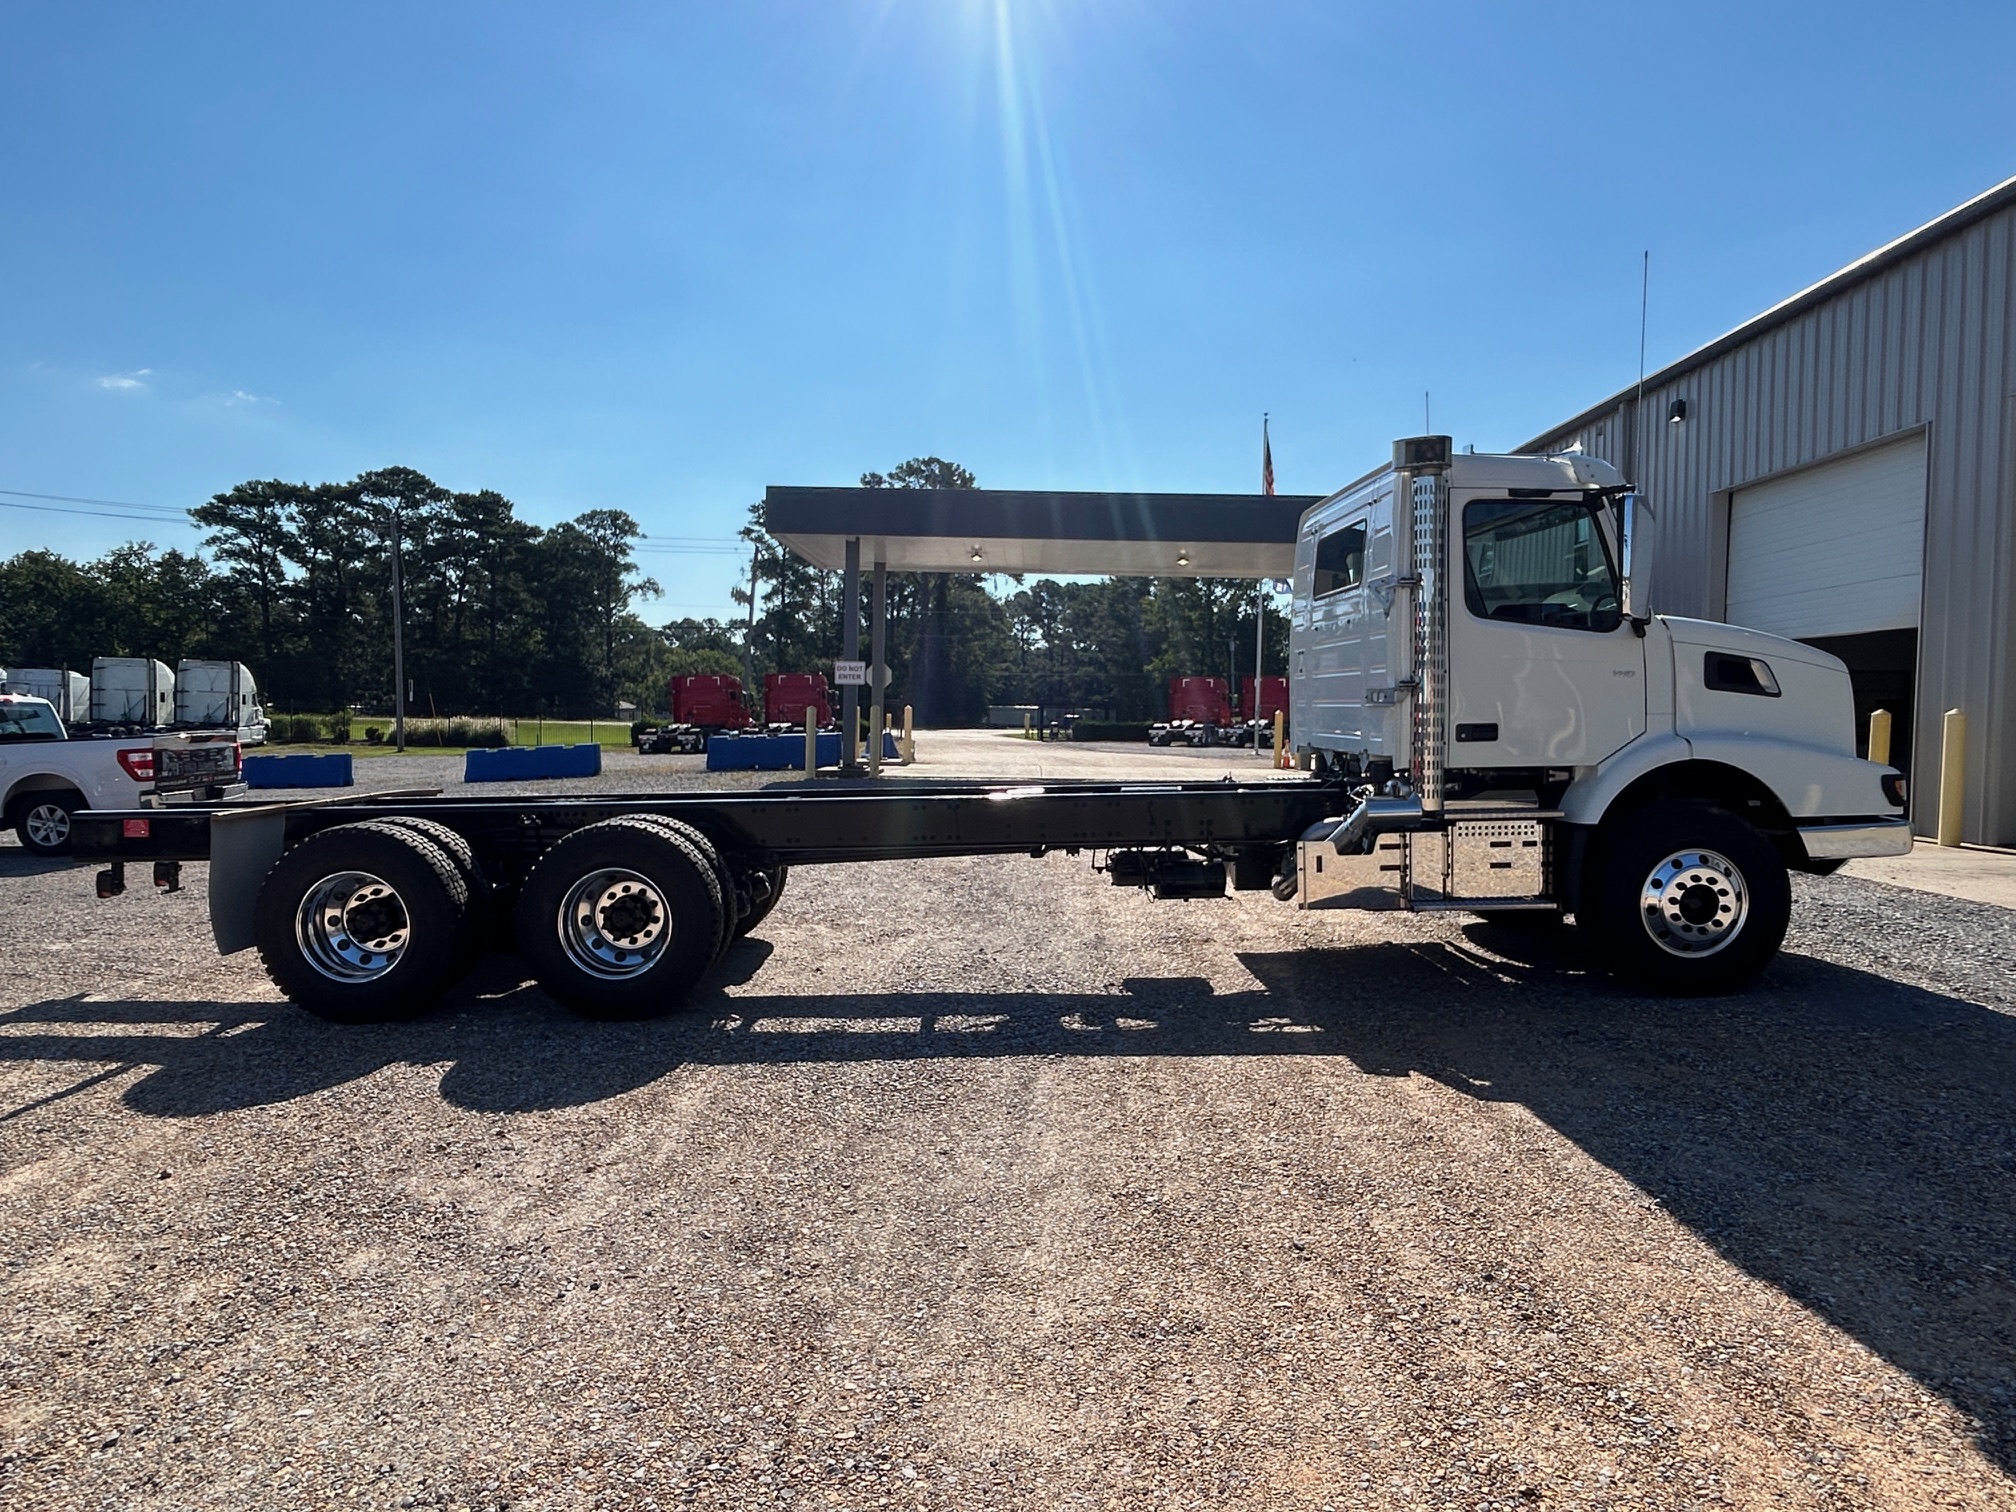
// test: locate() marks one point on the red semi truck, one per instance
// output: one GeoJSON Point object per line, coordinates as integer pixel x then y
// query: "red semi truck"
{"type": "Point", "coordinates": [703, 704]}
{"type": "Point", "coordinates": [787, 695]}
{"type": "Point", "coordinates": [1258, 721]}
{"type": "Point", "coordinates": [1200, 713]}
{"type": "Point", "coordinates": [710, 701]}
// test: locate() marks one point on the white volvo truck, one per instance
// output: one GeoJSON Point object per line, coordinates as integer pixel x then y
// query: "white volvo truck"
{"type": "Point", "coordinates": [1489, 717]}
{"type": "Point", "coordinates": [1474, 651]}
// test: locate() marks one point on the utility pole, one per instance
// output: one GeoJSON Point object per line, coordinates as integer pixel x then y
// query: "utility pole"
{"type": "Point", "coordinates": [398, 646]}
{"type": "Point", "coordinates": [749, 635]}
{"type": "Point", "coordinates": [1259, 658]}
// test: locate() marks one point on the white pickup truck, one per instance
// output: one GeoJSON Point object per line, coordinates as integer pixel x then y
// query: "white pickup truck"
{"type": "Point", "coordinates": [45, 776]}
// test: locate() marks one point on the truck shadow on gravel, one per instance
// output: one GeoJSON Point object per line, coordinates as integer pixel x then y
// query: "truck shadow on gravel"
{"type": "Point", "coordinates": [1842, 1136]}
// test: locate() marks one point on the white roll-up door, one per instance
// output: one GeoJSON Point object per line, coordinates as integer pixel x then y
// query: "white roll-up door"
{"type": "Point", "coordinates": [1836, 549]}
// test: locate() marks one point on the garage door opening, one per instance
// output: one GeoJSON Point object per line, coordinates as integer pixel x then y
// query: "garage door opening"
{"type": "Point", "coordinates": [1833, 555]}
{"type": "Point", "coordinates": [1883, 667]}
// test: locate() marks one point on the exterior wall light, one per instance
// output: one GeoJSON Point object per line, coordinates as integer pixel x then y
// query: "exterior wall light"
{"type": "Point", "coordinates": [977, 555]}
{"type": "Point", "coordinates": [1677, 412]}
{"type": "Point", "coordinates": [1182, 559]}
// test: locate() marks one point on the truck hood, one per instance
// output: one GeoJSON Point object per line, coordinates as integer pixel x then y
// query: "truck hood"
{"type": "Point", "coordinates": [1813, 710]}
{"type": "Point", "coordinates": [1711, 635]}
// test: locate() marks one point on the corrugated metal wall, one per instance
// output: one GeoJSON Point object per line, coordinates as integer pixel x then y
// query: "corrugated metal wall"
{"type": "Point", "coordinates": [1927, 343]}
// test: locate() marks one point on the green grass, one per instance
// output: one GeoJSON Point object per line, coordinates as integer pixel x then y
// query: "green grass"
{"type": "Point", "coordinates": [607, 732]}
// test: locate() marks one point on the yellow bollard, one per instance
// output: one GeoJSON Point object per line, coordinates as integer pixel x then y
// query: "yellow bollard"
{"type": "Point", "coordinates": [909, 738]}
{"type": "Point", "coordinates": [811, 742]}
{"type": "Point", "coordinates": [1280, 740]}
{"type": "Point", "coordinates": [1879, 736]}
{"type": "Point", "coordinates": [1952, 776]}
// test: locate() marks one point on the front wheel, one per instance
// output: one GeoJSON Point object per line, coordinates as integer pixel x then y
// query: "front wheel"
{"type": "Point", "coordinates": [1685, 899]}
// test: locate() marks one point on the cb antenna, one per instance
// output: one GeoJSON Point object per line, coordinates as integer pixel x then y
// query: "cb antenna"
{"type": "Point", "coordinates": [1638, 404]}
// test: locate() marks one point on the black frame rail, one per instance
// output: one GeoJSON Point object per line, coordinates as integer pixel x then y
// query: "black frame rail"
{"type": "Point", "coordinates": [790, 827]}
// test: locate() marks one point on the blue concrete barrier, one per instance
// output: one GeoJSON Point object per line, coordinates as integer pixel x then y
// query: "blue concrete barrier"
{"type": "Point", "coordinates": [778, 753]}
{"type": "Point", "coordinates": [303, 770]}
{"type": "Point", "coordinates": [531, 763]}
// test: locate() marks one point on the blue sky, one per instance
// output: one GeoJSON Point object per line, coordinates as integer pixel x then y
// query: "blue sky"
{"type": "Point", "coordinates": [658, 256]}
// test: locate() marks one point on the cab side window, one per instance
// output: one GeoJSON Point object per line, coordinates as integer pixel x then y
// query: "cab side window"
{"type": "Point", "coordinates": [1340, 561]}
{"type": "Point", "coordinates": [1538, 562]}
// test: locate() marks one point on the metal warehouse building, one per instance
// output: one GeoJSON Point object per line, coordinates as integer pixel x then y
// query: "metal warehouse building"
{"type": "Point", "coordinates": [1842, 469]}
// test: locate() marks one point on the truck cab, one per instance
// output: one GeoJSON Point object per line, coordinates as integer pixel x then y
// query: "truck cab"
{"type": "Point", "coordinates": [1472, 641]}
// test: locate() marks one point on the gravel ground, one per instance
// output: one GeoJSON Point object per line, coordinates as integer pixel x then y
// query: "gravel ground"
{"type": "Point", "coordinates": [986, 1185]}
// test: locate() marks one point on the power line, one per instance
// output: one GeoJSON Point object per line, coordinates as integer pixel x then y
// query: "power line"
{"type": "Point", "coordinates": [126, 509]}
{"type": "Point", "coordinates": [97, 514]}
{"type": "Point", "coordinates": [18, 493]}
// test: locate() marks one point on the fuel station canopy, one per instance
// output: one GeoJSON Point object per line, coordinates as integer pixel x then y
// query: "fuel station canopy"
{"type": "Point", "coordinates": [1041, 533]}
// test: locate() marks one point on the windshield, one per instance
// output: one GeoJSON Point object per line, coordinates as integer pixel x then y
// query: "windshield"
{"type": "Point", "coordinates": [29, 721]}
{"type": "Point", "coordinates": [1538, 562]}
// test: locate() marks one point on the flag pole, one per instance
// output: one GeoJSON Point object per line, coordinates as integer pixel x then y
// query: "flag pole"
{"type": "Point", "coordinates": [1260, 598]}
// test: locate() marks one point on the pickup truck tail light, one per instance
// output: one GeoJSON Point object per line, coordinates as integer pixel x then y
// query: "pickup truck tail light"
{"type": "Point", "coordinates": [138, 762]}
{"type": "Point", "coordinates": [1894, 789]}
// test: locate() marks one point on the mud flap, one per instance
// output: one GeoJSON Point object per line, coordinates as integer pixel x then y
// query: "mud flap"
{"type": "Point", "coordinates": [243, 848]}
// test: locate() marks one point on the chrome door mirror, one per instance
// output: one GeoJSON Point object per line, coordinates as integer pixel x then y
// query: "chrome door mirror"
{"type": "Point", "coordinates": [1634, 556]}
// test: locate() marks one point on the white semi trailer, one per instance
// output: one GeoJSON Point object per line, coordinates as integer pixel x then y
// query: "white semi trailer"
{"type": "Point", "coordinates": [219, 695]}
{"type": "Point", "coordinates": [132, 690]}
{"type": "Point", "coordinates": [1489, 716]}
{"type": "Point", "coordinates": [68, 693]}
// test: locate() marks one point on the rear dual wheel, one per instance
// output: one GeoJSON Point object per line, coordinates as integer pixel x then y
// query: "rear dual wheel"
{"type": "Point", "coordinates": [364, 922]}
{"type": "Point", "coordinates": [620, 919]}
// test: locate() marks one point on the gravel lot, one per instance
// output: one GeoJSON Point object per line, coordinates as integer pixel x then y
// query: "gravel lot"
{"type": "Point", "coordinates": [987, 1185]}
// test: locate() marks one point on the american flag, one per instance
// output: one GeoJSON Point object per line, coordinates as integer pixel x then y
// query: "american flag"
{"type": "Point", "coordinates": [1266, 460]}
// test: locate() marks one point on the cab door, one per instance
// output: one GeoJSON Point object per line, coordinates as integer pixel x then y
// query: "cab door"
{"type": "Point", "coordinates": [1340, 630]}
{"type": "Point", "coordinates": [1543, 669]}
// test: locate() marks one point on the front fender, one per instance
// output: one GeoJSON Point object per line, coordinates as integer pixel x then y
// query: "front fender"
{"type": "Point", "coordinates": [1812, 782]}
{"type": "Point", "coordinates": [1809, 782]}
{"type": "Point", "coordinates": [1589, 798]}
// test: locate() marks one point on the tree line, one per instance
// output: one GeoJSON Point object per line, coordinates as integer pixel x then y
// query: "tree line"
{"type": "Point", "coordinates": [505, 617]}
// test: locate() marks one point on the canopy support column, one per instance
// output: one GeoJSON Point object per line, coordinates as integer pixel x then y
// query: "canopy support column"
{"type": "Point", "coordinates": [878, 671]}
{"type": "Point", "coordinates": [850, 650]}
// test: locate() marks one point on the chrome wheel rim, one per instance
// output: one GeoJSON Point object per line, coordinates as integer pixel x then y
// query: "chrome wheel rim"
{"type": "Point", "coordinates": [353, 927]}
{"type": "Point", "coordinates": [614, 924]}
{"type": "Point", "coordinates": [1694, 903]}
{"type": "Point", "coordinates": [47, 823]}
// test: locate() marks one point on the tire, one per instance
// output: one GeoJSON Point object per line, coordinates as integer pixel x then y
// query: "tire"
{"type": "Point", "coordinates": [661, 889]}
{"type": "Point", "coordinates": [723, 877]}
{"type": "Point", "coordinates": [765, 888]}
{"type": "Point", "coordinates": [456, 847]}
{"type": "Point", "coordinates": [321, 895]}
{"type": "Point", "coordinates": [1684, 899]}
{"type": "Point", "coordinates": [42, 820]}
